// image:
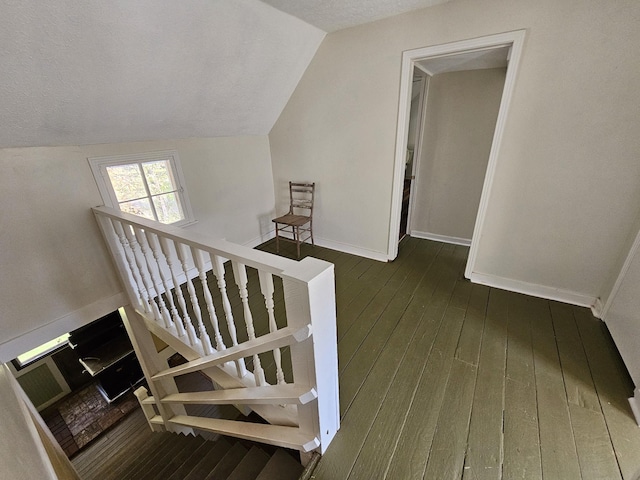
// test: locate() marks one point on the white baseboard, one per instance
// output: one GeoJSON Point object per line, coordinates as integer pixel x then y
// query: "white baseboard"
{"type": "Point", "coordinates": [635, 405]}
{"type": "Point", "coordinates": [534, 290]}
{"type": "Point", "coordinates": [352, 249]}
{"type": "Point", "coordinates": [260, 239]}
{"type": "Point", "coordinates": [14, 347]}
{"type": "Point", "coordinates": [441, 238]}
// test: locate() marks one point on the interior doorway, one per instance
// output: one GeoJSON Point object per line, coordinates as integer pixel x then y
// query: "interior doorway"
{"type": "Point", "coordinates": [414, 142]}
{"type": "Point", "coordinates": [443, 56]}
{"type": "Point", "coordinates": [450, 161]}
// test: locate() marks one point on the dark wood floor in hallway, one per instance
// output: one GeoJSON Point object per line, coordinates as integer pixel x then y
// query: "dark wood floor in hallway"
{"type": "Point", "coordinates": [443, 379]}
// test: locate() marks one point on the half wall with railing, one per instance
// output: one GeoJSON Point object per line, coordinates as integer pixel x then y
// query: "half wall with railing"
{"type": "Point", "coordinates": [261, 327]}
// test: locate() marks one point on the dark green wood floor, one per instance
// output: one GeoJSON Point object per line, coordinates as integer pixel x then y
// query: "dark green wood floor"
{"type": "Point", "coordinates": [442, 379]}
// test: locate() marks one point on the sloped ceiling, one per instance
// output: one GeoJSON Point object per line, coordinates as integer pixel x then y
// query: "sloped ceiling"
{"type": "Point", "coordinates": [78, 72]}
{"type": "Point", "coordinates": [332, 15]}
{"type": "Point", "coordinates": [83, 72]}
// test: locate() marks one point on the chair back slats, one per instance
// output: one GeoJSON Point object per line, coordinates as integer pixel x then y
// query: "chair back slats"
{"type": "Point", "coordinates": [301, 196]}
{"type": "Point", "coordinates": [297, 224]}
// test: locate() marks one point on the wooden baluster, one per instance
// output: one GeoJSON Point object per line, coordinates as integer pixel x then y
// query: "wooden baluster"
{"type": "Point", "coordinates": [144, 247]}
{"type": "Point", "coordinates": [199, 259]}
{"type": "Point", "coordinates": [218, 270]}
{"type": "Point", "coordinates": [147, 291]}
{"type": "Point", "coordinates": [144, 273]}
{"type": "Point", "coordinates": [129, 254]}
{"type": "Point", "coordinates": [266, 286]}
{"type": "Point", "coordinates": [182, 251]}
{"type": "Point", "coordinates": [174, 317]}
{"type": "Point", "coordinates": [185, 328]}
{"type": "Point", "coordinates": [240, 274]}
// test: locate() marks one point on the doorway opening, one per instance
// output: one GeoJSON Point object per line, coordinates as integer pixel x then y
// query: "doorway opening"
{"type": "Point", "coordinates": [419, 87]}
{"type": "Point", "coordinates": [443, 57]}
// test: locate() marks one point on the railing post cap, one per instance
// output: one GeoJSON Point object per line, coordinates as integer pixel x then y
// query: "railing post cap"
{"type": "Point", "coordinates": [307, 269]}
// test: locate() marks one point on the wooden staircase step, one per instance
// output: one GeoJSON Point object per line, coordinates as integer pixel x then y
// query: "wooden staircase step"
{"type": "Point", "coordinates": [138, 465]}
{"type": "Point", "coordinates": [190, 463]}
{"type": "Point", "coordinates": [281, 466]}
{"type": "Point", "coordinates": [272, 394]}
{"type": "Point", "coordinates": [176, 462]}
{"type": "Point", "coordinates": [287, 437]}
{"type": "Point", "coordinates": [270, 341]}
{"type": "Point", "coordinates": [157, 420]}
{"type": "Point", "coordinates": [208, 463]}
{"type": "Point", "coordinates": [157, 461]}
{"type": "Point", "coordinates": [228, 463]}
{"type": "Point", "coordinates": [251, 465]}
{"type": "Point", "coordinates": [137, 454]}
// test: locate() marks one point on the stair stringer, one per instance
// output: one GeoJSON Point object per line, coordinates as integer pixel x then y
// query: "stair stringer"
{"type": "Point", "coordinates": [224, 377]}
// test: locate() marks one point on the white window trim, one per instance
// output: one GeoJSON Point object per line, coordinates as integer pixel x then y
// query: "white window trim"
{"type": "Point", "coordinates": [99, 168]}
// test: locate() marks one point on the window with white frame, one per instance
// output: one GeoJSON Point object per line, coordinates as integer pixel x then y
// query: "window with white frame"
{"type": "Point", "coordinates": [150, 185]}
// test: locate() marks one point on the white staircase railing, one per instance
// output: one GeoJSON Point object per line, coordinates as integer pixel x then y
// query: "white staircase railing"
{"type": "Point", "coordinates": [191, 291]}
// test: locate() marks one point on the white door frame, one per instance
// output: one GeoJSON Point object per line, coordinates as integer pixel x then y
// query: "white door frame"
{"type": "Point", "coordinates": [417, 151]}
{"type": "Point", "coordinates": [514, 39]}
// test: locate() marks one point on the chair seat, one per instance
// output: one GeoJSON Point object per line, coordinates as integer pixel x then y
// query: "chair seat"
{"type": "Point", "coordinates": [292, 220]}
{"type": "Point", "coordinates": [298, 228]}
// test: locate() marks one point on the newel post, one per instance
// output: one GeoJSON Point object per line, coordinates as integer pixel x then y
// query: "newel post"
{"type": "Point", "coordinates": [309, 293]}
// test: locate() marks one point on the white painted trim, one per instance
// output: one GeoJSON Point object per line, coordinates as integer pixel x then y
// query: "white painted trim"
{"type": "Point", "coordinates": [516, 41]}
{"type": "Point", "coordinates": [423, 69]}
{"type": "Point", "coordinates": [635, 248]}
{"type": "Point", "coordinates": [98, 168]}
{"type": "Point", "coordinates": [534, 290]}
{"type": "Point", "coordinates": [635, 405]}
{"type": "Point", "coordinates": [351, 249]}
{"type": "Point", "coordinates": [14, 347]}
{"type": "Point", "coordinates": [507, 92]}
{"type": "Point", "coordinates": [404, 113]}
{"type": "Point", "coordinates": [417, 150]}
{"type": "Point", "coordinates": [260, 239]}
{"type": "Point", "coordinates": [441, 238]}
{"type": "Point", "coordinates": [166, 353]}
{"type": "Point", "coordinates": [55, 373]}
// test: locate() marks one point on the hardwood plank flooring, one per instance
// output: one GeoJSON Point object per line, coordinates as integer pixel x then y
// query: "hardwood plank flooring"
{"type": "Point", "coordinates": [442, 379]}
{"type": "Point", "coordinates": [521, 454]}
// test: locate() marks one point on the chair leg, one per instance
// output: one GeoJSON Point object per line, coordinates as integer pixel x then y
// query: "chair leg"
{"type": "Point", "coordinates": [277, 240]}
{"type": "Point", "coordinates": [311, 232]}
{"type": "Point", "coordinates": [298, 240]}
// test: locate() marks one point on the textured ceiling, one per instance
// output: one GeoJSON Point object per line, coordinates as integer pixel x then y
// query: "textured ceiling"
{"type": "Point", "coordinates": [332, 15]}
{"type": "Point", "coordinates": [78, 72]}
{"type": "Point", "coordinates": [82, 72]}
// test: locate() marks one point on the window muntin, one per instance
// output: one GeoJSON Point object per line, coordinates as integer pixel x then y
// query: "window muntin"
{"type": "Point", "coordinates": [148, 185]}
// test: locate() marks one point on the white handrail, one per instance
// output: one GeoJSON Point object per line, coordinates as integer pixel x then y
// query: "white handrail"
{"type": "Point", "coordinates": [231, 251]}
{"type": "Point", "coordinates": [156, 262]}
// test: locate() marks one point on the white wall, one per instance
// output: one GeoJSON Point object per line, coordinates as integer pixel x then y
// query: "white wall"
{"type": "Point", "coordinates": [462, 108]}
{"type": "Point", "coordinates": [56, 274]}
{"type": "Point", "coordinates": [230, 187]}
{"type": "Point", "coordinates": [623, 313]}
{"type": "Point", "coordinates": [566, 183]}
{"type": "Point", "coordinates": [78, 73]}
{"type": "Point", "coordinates": [22, 454]}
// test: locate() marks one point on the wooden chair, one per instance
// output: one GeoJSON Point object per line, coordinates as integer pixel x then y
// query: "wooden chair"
{"type": "Point", "coordinates": [300, 198]}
